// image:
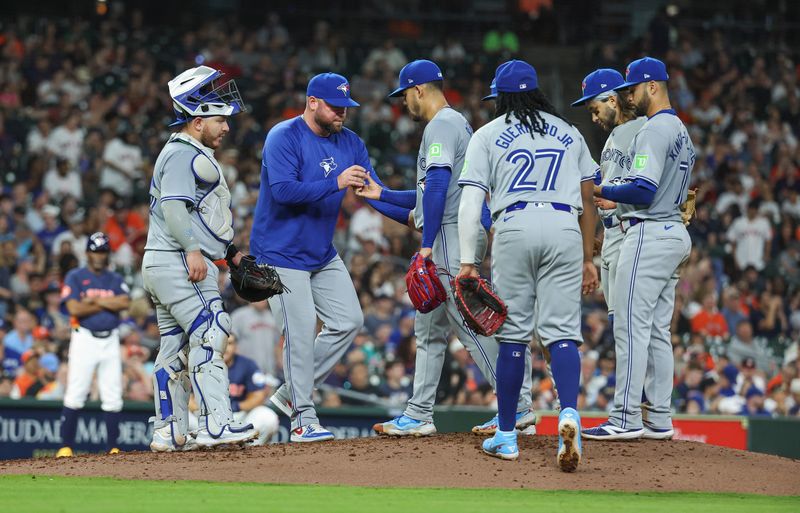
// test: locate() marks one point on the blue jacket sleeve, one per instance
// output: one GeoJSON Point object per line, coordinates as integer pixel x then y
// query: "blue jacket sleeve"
{"type": "Point", "coordinates": [395, 212]}
{"type": "Point", "coordinates": [282, 162]}
{"type": "Point", "coordinates": [637, 192]}
{"type": "Point", "coordinates": [433, 199]}
{"type": "Point", "coordinates": [405, 199]}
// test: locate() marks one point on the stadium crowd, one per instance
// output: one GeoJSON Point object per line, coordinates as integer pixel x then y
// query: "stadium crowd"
{"type": "Point", "coordinates": [84, 113]}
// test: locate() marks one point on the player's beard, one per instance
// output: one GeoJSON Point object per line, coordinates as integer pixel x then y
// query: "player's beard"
{"type": "Point", "coordinates": [330, 127]}
{"type": "Point", "coordinates": [608, 118]}
{"type": "Point", "coordinates": [209, 139]}
{"type": "Point", "coordinates": [642, 106]}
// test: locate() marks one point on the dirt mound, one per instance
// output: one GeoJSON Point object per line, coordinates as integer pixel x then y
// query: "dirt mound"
{"type": "Point", "coordinates": [452, 460]}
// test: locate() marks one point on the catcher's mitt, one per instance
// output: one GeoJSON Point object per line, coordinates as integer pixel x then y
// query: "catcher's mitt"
{"type": "Point", "coordinates": [688, 206]}
{"type": "Point", "coordinates": [255, 282]}
{"type": "Point", "coordinates": [425, 289]}
{"type": "Point", "coordinates": [483, 311]}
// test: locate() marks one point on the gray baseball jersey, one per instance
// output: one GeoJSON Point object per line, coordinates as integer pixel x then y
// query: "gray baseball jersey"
{"type": "Point", "coordinates": [663, 155]}
{"type": "Point", "coordinates": [647, 272]}
{"type": "Point", "coordinates": [186, 170]}
{"type": "Point", "coordinates": [537, 257]}
{"type": "Point", "coordinates": [614, 164]}
{"type": "Point", "coordinates": [444, 143]}
{"type": "Point", "coordinates": [504, 160]}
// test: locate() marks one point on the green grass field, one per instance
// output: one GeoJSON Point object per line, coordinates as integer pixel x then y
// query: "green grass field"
{"type": "Point", "coordinates": [29, 494]}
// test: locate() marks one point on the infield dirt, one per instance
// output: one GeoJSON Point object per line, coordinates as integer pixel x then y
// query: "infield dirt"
{"type": "Point", "coordinates": [451, 460]}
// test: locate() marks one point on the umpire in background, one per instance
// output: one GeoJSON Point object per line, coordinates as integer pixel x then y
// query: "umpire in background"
{"type": "Point", "coordinates": [94, 298]}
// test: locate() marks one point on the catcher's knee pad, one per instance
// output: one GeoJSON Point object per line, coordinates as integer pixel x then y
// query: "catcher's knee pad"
{"type": "Point", "coordinates": [207, 341]}
{"type": "Point", "coordinates": [171, 385]}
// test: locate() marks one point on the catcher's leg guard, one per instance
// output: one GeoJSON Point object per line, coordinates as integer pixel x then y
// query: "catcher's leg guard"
{"type": "Point", "coordinates": [208, 337]}
{"type": "Point", "coordinates": [171, 386]}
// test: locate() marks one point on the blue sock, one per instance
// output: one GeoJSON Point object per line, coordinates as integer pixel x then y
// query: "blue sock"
{"type": "Point", "coordinates": [510, 371]}
{"type": "Point", "coordinates": [112, 428]}
{"type": "Point", "coordinates": [69, 425]}
{"type": "Point", "coordinates": [565, 362]}
{"type": "Point", "coordinates": [611, 322]}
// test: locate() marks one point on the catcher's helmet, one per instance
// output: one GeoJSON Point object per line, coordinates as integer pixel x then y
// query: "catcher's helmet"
{"type": "Point", "coordinates": [98, 243]}
{"type": "Point", "coordinates": [197, 93]}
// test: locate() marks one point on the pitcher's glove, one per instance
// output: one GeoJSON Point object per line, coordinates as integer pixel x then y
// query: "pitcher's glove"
{"type": "Point", "coordinates": [688, 206]}
{"type": "Point", "coordinates": [483, 310]}
{"type": "Point", "coordinates": [255, 282]}
{"type": "Point", "coordinates": [425, 289]}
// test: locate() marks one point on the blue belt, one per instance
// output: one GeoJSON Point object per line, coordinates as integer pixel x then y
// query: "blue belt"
{"type": "Point", "coordinates": [520, 205]}
{"type": "Point", "coordinates": [609, 222]}
{"type": "Point", "coordinates": [627, 224]}
{"type": "Point", "coordinates": [99, 334]}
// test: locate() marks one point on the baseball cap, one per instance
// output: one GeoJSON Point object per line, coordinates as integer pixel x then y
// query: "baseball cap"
{"type": "Point", "coordinates": [98, 243]}
{"type": "Point", "coordinates": [332, 88]}
{"type": "Point", "coordinates": [493, 86]}
{"type": "Point", "coordinates": [643, 70]}
{"type": "Point", "coordinates": [598, 82]}
{"type": "Point", "coordinates": [516, 77]}
{"type": "Point", "coordinates": [415, 73]}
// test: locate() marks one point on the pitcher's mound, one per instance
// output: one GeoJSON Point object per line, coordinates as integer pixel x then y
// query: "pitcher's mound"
{"type": "Point", "coordinates": [452, 460]}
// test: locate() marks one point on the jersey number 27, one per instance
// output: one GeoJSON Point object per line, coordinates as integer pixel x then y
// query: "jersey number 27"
{"type": "Point", "coordinates": [529, 162]}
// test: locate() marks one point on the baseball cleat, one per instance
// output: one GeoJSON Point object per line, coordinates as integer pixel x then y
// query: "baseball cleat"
{"type": "Point", "coordinates": [526, 419]}
{"type": "Point", "coordinates": [502, 445]}
{"type": "Point", "coordinates": [65, 452]}
{"type": "Point", "coordinates": [164, 442]}
{"type": "Point", "coordinates": [114, 450]}
{"type": "Point", "coordinates": [311, 433]}
{"type": "Point", "coordinates": [569, 440]}
{"type": "Point", "coordinates": [652, 433]}
{"type": "Point", "coordinates": [231, 435]}
{"type": "Point", "coordinates": [405, 426]}
{"type": "Point", "coordinates": [607, 431]}
{"type": "Point", "coordinates": [283, 404]}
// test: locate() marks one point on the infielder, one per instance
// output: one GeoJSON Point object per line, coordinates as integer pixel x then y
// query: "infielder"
{"type": "Point", "coordinates": [660, 161]}
{"type": "Point", "coordinates": [435, 213]}
{"type": "Point", "coordinates": [308, 162]}
{"type": "Point", "coordinates": [94, 297]}
{"type": "Point", "coordinates": [538, 172]}
{"type": "Point", "coordinates": [190, 227]}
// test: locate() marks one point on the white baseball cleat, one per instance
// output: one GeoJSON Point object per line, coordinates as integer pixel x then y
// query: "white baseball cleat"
{"type": "Point", "coordinates": [231, 435]}
{"type": "Point", "coordinates": [311, 433]}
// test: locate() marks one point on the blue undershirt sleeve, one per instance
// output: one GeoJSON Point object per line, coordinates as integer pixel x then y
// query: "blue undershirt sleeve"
{"type": "Point", "coordinates": [637, 192]}
{"type": "Point", "coordinates": [395, 212]}
{"type": "Point", "coordinates": [405, 199]}
{"type": "Point", "coordinates": [437, 180]}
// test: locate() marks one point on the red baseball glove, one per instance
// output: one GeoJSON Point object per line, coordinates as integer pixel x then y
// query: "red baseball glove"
{"type": "Point", "coordinates": [483, 310]}
{"type": "Point", "coordinates": [425, 289]}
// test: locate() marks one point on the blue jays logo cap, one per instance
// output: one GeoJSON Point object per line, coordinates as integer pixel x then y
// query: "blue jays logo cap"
{"type": "Point", "coordinates": [493, 87]}
{"type": "Point", "coordinates": [416, 73]}
{"type": "Point", "coordinates": [98, 242]}
{"type": "Point", "coordinates": [516, 77]}
{"type": "Point", "coordinates": [644, 70]}
{"type": "Point", "coordinates": [332, 88]}
{"type": "Point", "coordinates": [598, 82]}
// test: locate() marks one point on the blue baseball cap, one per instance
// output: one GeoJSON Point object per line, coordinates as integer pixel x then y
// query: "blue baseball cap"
{"type": "Point", "coordinates": [332, 88]}
{"type": "Point", "coordinates": [644, 70]}
{"type": "Point", "coordinates": [493, 87]}
{"type": "Point", "coordinates": [516, 77]}
{"type": "Point", "coordinates": [416, 73]}
{"type": "Point", "coordinates": [598, 82]}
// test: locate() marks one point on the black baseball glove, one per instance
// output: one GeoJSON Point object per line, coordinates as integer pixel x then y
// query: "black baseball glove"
{"type": "Point", "coordinates": [255, 282]}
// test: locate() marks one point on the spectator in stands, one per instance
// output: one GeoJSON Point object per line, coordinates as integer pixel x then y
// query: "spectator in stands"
{"type": "Point", "coordinates": [20, 339]}
{"type": "Point", "coordinates": [709, 321]}
{"type": "Point", "coordinates": [29, 379]}
{"type": "Point", "coordinates": [750, 235]}
{"type": "Point", "coordinates": [358, 381]}
{"type": "Point", "coordinates": [122, 163]}
{"type": "Point", "coordinates": [63, 180]}
{"type": "Point", "coordinates": [396, 387]}
{"type": "Point", "coordinates": [744, 346]}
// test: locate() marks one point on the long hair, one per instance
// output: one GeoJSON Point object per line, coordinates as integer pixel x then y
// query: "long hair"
{"type": "Point", "coordinates": [527, 107]}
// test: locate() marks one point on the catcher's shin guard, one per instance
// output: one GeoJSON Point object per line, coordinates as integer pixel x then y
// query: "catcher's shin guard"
{"type": "Point", "coordinates": [209, 374]}
{"type": "Point", "coordinates": [171, 385]}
